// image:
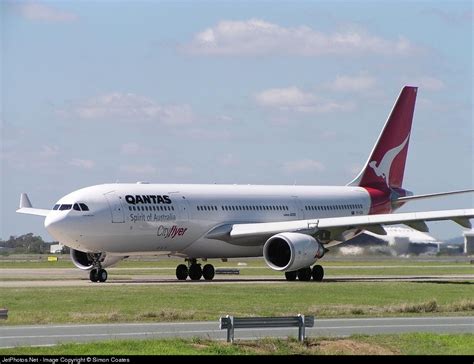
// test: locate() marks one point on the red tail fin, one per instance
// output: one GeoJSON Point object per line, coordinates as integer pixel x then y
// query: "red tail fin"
{"type": "Point", "coordinates": [386, 165]}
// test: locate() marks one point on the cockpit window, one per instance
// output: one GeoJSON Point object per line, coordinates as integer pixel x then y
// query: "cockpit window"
{"type": "Point", "coordinates": [65, 207]}
{"type": "Point", "coordinates": [56, 207]}
{"type": "Point", "coordinates": [84, 207]}
{"type": "Point", "coordinates": [76, 207]}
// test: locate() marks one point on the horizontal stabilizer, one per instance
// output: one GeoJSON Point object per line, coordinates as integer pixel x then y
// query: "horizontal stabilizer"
{"type": "Point", "coordinates": [430, 195]}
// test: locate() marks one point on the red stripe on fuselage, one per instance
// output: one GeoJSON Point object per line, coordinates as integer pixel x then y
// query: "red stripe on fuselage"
{"type": "Point", "coordinates": [379, 201]}
{"type": "Point", "coordinates": [383, 200]}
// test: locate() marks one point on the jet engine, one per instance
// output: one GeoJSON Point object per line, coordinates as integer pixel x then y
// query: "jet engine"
{"type": "Point", "coordinates": [85, 261]}
{"type": "Point", "coordinates": [291, 251]}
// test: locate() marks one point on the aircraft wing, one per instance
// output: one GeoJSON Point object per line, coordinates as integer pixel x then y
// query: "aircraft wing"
{"type": "Point", "coordinates": [27, 208]}
{"type": "Point", "coordinates": [32, 211]}
{"type": "Point", "coordinates": [338, 225]}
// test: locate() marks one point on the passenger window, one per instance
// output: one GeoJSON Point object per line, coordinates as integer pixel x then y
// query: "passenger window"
{"type": "Point", "coordinates": [84, 207]}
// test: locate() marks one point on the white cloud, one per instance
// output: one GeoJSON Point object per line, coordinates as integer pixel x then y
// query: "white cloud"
{"type": "Point", "coordinates": [228, 160]}
{"type": "Point", "coordinates": [128, 107]}
{"type": "Point", "coordinates": [426, 83]}
{"type": "Point", "coordinates": [82, 163]}
{"type": "Point", "coordinates": [258, 37]}
{"type": "Point", "coordinates": [293, 99]}
{"type": "Point", "coordinates": [285, 97]}
{"type": "Point", "coordinates": [43, 12]}
{"type": "Point", "coordinates": [359, 83]}
{"type": "Point", "coordinates": [132, 149]}
{"type": "Point", "coordinates": [49, 151]}
{"type": "Point", "coordinates": [208, 134]}
{"type": "Point", "coordinates": [303, 165]}
{"type": "Point", "coordinates": [138, 169]}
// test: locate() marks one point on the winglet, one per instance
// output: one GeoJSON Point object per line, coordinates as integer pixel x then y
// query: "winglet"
{"type": "Point", "coordinates": [27, 208]}
{"type": "Point", "coordinates": [24, 201]}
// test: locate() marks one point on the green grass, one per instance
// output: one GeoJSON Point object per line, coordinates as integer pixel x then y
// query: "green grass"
{"type": "Point", "coordinates": [404, 344]}
{"type": "Point", "coordinates": [424, 343]}
{"type": "Point", "coordinates": [187, 301]}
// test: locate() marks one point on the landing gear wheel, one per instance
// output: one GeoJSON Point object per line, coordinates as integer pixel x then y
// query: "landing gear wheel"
{"type": "Point", "coordinates": [208, 272]}
{"type": "Point", "coordinates": [94, 275]}
{"type": "Point", "coordinates": [304, 274]}
{"type": "Point", "coordinates": [181, 272]}
{"type": "Point", "coordinates": [102, 275]}
{"type": "Point", "coordinates": [318, 273]}
{"type": "Point", "coordinates": [195, 272]}
{"type": "Point", "coordinates": [291, 276]}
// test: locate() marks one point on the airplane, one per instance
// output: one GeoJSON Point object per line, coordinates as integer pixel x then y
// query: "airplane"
{"type": "Point", "coordinates": [292, 227]}
{"type": "Point", "coordinates": [399, 240]}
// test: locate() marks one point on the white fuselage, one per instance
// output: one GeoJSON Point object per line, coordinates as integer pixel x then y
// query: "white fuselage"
{"type": "Point", "coordinates": [137, 219]}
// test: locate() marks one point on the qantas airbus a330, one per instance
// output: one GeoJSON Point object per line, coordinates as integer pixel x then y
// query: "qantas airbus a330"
{"type": "Point", "coordinates": [290, 226]}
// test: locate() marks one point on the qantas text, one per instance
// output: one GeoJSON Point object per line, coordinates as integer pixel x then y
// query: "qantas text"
{"type": "Point", "coordinates": [137, 199]}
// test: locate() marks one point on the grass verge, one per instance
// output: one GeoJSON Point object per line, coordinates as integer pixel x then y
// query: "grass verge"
{"type": "Point", "coordinates": [399, 344]}
{"type": "Point", "coordinates": [184, 302]}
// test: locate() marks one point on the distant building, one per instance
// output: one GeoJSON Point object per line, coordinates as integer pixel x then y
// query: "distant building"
{"type": "Point", "coordinates": [469, 242]}
{"type": "Point", "coordinates": [56, 248]}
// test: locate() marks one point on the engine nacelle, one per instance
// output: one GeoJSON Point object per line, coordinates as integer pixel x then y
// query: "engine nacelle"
{"type": "Point", "coordinates": [291, 251]}
{"type": "Point", "coordinates": [83, 260]}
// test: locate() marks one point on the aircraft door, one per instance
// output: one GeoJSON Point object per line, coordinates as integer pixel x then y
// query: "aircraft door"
{"type": "Point", "coordinates": [116, 208]}
{"type": "Point", "coordinates": [300, 214]}
{"type": "Point", "coordinates": [182, 213]}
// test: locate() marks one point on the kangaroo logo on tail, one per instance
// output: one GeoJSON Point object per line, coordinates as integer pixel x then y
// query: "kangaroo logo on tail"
{"type": "Point", "coordinates": [383, 169]}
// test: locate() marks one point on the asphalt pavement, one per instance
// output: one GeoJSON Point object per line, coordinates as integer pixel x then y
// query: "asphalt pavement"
{"type": "Point", "coordinates": [45, 335]}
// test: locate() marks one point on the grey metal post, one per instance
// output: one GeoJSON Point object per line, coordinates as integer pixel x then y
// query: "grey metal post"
{"type": "Point", "coordinates": [301, 328]}
{"type": "Point", "coordinates": [230, 329]}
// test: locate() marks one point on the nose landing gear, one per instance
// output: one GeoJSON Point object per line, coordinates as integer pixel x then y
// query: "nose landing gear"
{"type": "Point", "coordinates": [97, 274]}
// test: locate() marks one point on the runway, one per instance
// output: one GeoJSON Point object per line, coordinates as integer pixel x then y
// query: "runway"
{"type": "Point", "coordinates": [71, 277]}
{"type": "Point", "coordinates": [43, 335]}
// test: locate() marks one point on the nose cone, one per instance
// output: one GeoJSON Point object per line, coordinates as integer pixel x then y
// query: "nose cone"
{"type": "Point", "coordinates": [57, 225]}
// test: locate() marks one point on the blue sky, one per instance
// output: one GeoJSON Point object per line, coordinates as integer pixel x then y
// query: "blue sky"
{"type": "Point", "coordinates": [229, 92]}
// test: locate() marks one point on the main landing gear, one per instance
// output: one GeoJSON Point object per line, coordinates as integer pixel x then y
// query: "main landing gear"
{"type": "Point", "coordinates": [194, 271]}
{"type": "Point", "coordinates": [305, 274]}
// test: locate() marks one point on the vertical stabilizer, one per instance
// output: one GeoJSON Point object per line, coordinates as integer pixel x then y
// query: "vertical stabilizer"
{"type": "Point", "coordinates": [386, 164]}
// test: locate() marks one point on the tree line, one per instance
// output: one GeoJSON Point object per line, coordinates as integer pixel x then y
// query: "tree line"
{"type": "Point", "coordinates": [25, 244]}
